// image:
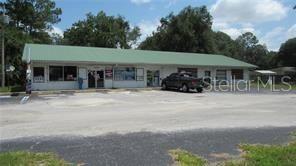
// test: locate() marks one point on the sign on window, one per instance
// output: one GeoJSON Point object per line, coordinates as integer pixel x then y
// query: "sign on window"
{"type": "Point", "coordinates": [108, 73]}
{"type": "Point", "coordinates": [140, 74]}
{"type": "Point", "coordinates": [82, 73]}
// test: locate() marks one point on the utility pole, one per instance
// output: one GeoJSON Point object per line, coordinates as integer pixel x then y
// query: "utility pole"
{"type": "Point", "coordinates": [3, 52]}
{"type": "Point", "coordinates": [5, 20]}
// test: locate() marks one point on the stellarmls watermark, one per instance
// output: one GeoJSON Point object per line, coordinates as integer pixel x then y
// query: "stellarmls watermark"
{"type": "Point", "coordinates": [240, 85]}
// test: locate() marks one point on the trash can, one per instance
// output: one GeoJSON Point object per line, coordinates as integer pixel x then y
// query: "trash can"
{"type": "Point", "coordinates": [80, 82]}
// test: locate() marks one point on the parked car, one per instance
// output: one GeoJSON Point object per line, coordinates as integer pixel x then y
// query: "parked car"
{"type": "Point", "coordinates": [183, 82]}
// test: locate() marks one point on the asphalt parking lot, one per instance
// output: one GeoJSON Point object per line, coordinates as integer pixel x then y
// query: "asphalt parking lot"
{"type": "Point", "coordinates": [95, 114]}
{"type": "Point", "coordinates": [148, 149]}
{"type": "Point", "coordinates": [139, 127]}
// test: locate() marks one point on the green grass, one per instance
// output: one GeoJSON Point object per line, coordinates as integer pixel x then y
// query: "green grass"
{"type": "Point", "coordinates": [184, 158]}
{"type": "Point", "coordinates": [252, 155]}
{"type": "Point", "coordinates": [22, 158]}
{"type": "Point", "coordinates": [5, 89]}
{"type": "Point", "coordinates": [266, 155]}
{"type": "Point", "coordinates": [12, 89]}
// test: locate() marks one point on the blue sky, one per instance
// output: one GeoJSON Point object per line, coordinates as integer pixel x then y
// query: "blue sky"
{"type": "Point", "coordinates": [273, 21]}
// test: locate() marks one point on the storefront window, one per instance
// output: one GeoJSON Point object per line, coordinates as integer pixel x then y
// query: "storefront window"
{"type": "Point", "coordinates": [221, 75]}
{"type": "Point", "coordinates": [193, 71]}
{"type": "Point", "coordinates": [70, 73]}
{"type": "Point", "coordinates": [237, 74]}
{"type": "Point", "coordinates": [124, 73]}
{"type": "Point", "coordinates": [38, 74]}
{"type": "Point", "coordinates": [56, 73]}
{"type": "Point", "coordinates": [140, 74]}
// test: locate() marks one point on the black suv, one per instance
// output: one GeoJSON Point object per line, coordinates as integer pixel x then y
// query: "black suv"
{"type": "Point", "coordinates": [183, 82]}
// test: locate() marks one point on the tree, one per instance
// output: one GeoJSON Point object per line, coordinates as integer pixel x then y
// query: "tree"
{"type": "Point", "coordinates": [287, 53]}
{"type": "Point", "coordinates": [33, 15]}
{"type": "Point", "coordinates": [188, 31]}
{"type": "Point", "coordinates": [247, 40]}
{"type": "Point", "coordinates": [251, 51]}
{"type": "Point", "coordinates": [224, 45]}
{"type": "Point", "coordinates": [102, 31]}
{"type": "Point", "coordinates": [29, 22]}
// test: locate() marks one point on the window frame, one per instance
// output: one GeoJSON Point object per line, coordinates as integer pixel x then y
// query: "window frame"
{"type": "Point", "coordinates": [193, 71]}
{"type": "Point", "coordinates": [225, 74]}
{"type": "Point", "coordinates": [234, 72]}
{"type": "Point", "coordinates": [43, 74]}
{"type": "Point", "coordinates": [49, 73]}
{"type": "Point", "coordinates": [63, 73]}
{"type": "Point", "coordinates": [208, 71]}
{"type": "Point", "coordinates": [74, 78]}
{"type": "Point", "coordinates": [125, 67]}
{"type": "Point", "coordinates": [140, 78]}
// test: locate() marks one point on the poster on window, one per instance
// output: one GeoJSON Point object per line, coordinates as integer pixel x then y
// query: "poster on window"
{"type": "Point", "coordinates": [108, 73]}
{"type": "Point", "coordinates": [82, 73]}
{"type": "Point", "coordinates": [140, 74]}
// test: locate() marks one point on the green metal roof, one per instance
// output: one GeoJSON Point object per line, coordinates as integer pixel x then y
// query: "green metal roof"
{"type": "Point", "coordinates": [40, 52]}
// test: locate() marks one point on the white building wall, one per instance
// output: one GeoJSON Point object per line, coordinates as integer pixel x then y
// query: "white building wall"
{"type": "Point", "coordinates": [165, 70]}
{"type": "Point", "coordinates": [200, 72]}
{"type": "Point", "coordinates": [246, 74]}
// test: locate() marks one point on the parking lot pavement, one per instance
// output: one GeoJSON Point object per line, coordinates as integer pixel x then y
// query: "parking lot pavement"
{"type": "Point", "coordinates": [93, 114]}
{"type": "Point", "coordinates": [145, 148]}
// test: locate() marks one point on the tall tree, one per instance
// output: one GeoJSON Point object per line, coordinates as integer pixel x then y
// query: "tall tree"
{"type": "Point", "coordinates": [102, 31]}
{"type": "Point", "coordinates": [29, 22]}
{"type": "Point", "coordinates": [251, 51]}
{"type": "Point", "coordinates": [33, 15]}
{"type": "Point", "coordinates": [287, 53]}
{"type": "Point", "coordinates": [188, 31]}
{"type": "Point", "coordinates": [223, 44]}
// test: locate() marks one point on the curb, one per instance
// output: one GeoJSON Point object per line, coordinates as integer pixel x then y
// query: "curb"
{"type": "Point", "coordinates": [37, 93]}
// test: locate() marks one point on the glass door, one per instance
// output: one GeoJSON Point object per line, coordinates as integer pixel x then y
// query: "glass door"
{"type": "Point", "coordinates": [91, 79]}
{"type": "Point", "coordinates": [100, 79]}
{"type": "Point", "coordinates": [152, 78]}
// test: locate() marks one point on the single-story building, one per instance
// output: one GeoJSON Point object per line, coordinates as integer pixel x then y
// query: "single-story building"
{"type": "Point", "coordinates": [284, 71]}
{"type": "Point", "coordinates": [263, 75]}
{"type": "Point", "coordinates": [59, 67]}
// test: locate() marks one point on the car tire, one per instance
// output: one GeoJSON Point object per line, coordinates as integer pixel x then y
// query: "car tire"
{"type": "Point", "coordinates": [199, 90]}
{"type": "Point", "coordinates": [185, 88]}
{"type": "Point", "coordinates": [164, 86]}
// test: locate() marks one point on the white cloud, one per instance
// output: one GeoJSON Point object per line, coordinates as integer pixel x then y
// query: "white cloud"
{"type": "Point", "coordinates": [139, 2]}
{"type": "Point", "coordinates": [171, 3]}
{"type": "Point", "coordinates": [278, 35]}
{"type": "Point", "coordinates": [147, 27]}
{"type": "Point", "coordinates": [56, 30]}
{"type": "Point", "coordinates": [273, 38]}
{"type": "Point", "coordinates": [233, 32]}
{"type": "Point", "coordinates": [235, 17]}
{"type": "Point", "coordinates": [240, 11]}
{"type": "Point", "coordinates": [291, 33]}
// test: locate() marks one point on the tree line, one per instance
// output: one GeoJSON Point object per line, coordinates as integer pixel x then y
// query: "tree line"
{"type": "Point", "coordinates": [190, 30]}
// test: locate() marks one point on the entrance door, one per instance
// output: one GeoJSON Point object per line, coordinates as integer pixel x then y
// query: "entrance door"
{"type": "Point", "coordinates": [207, 77]}
{"type": "Point", "coordinates": [152, 78]}
{"type": "Point", "coordinates": [91, 79]}
{"type": "Point", "coordinates": [96, 79]}
{"type": "Point", "coordinates": [100, 79]}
